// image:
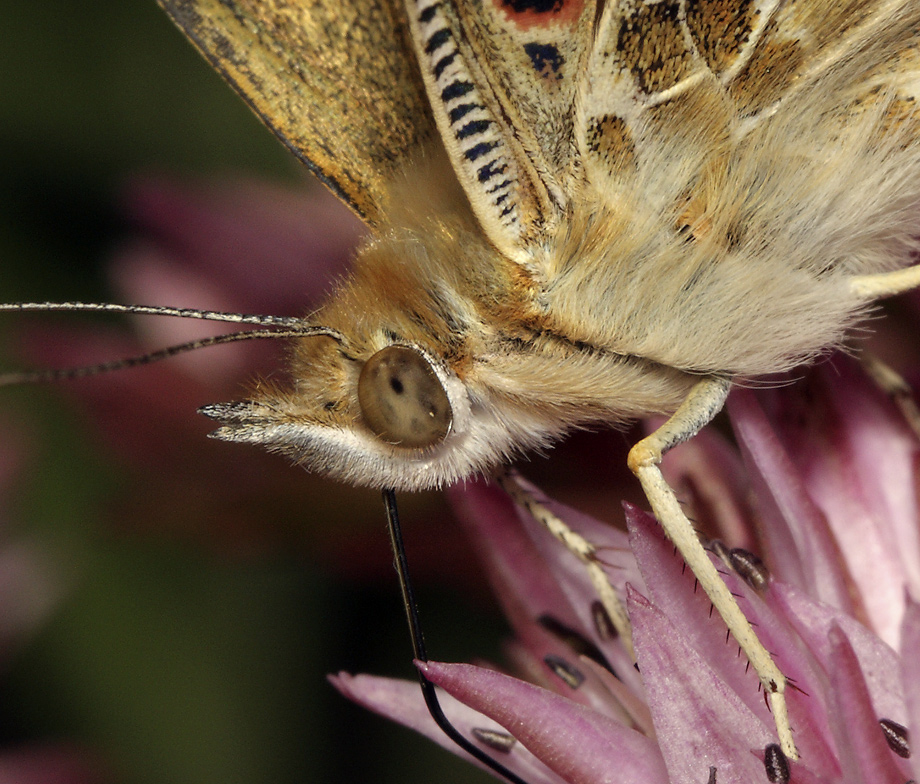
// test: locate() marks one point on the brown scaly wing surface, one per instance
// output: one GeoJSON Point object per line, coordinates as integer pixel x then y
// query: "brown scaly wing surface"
{"type": "Point", "coordinates": [337, 82]}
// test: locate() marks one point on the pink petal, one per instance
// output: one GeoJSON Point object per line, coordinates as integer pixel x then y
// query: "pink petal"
{"type": "Point", "coordinates": [689, 610]}
{"type": "Point", "coordinates": [673, 590]}
{"type": "Point", "coordinates": [534, 575]}
{"type": "Point", "coordinates": [910, 677]}
{"type": "Point", "coordinates": [857, 461]}
{"type": "Point", "coordinates": [885, 453]}
{"type": "Point", "coordinates": [402, 701]}
{"type": "Point", "coordinates": [296, 240]}
{"type": "Point", "coordinates": [878, 663]}
{"type": "Point", "coordinates": [560, 668]}
{"type": "Point", "coordinates": [806, 692]}
{"type": "Point", "coordinates": [578, 744]}
{"type": "Point", "coordinates": [864, 754]}
{"type": "Point", "coordinates": [699, 719]}
{"type": "Point", "coordinates": [143, 274]}
{"type": "Point", "coordinates": [800, 548]}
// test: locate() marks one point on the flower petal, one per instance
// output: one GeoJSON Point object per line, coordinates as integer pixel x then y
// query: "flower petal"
{"type": "Point", "coordinates": [402, 701]}
{"type": "Point", "coordinates": [800, 547]}
{"type": "Point", "coordinates": [672, 588]}
{"type": "Point", "coordinates": [910, 677]}
{"type": "Point", "coordinates": [579, 744]}
{"type": "Point", "coordinates": [700, 721]}
{"type": "Point", "coordinates": [297, 239]}
{"type": "Point", "coordinates": [535, 577]}
{"type": "Point", "coordinates": [858, 461]}
{"type": "Point", "coordinates": [864, 754]}
{"type": "Point", "coordinates": [878, 663]}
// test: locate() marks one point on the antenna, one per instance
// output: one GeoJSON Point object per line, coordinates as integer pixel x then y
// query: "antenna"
{"type": "Point", "coordinates": [151, 310]}
{"type": "Point", "coordinates": [276, 327]}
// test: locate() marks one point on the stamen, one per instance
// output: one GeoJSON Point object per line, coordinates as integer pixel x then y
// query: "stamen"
{"type": "Point", "coordinates": [571, 676]}
{"type": "Point", "coordinates": [499, 741]}
{"type": "Point", "coordinates": [776, 764]}
{"type": "Point", "coordinates": [750, 568]}
{"type": "Point", "coordinates": [897, 737]}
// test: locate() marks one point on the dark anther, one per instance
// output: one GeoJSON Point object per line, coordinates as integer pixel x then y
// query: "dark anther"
{"type": "Point", "coordinates": [564, 671]}
{"type": "Point", "coordinates": [494, 739]}
{"type": "Point", "coordinates": [602, 623]}
{"type": "Point", "coordinates": [896, 735]}
{"type": "Point", "coordinates": [577, 642]}
{"type": "Point", "coordinates": [774, 760]}
{"type": "Point", "coordinates": [751, 569]}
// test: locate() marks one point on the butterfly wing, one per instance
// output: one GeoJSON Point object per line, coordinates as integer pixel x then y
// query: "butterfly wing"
{"type": "Point", "coordinates": [799, 43]}
{"type": "Point", "coordinates": [672, 87]}
{"type": "Point", "coordinates": [749, 156]}
{"type": "Point", "coordinates": [336, 81]}
{"type": "Point", "coordinates": [502, 78]}
{"type": "Point", "coordinates": [533, 54]}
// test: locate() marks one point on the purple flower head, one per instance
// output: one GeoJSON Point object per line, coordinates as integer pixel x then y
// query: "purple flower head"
{"type": "Point", "coordinates": [822, 487]}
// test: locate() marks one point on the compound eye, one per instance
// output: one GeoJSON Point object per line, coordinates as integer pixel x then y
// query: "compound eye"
{"type": "Point", "coordinates": [402, 399]}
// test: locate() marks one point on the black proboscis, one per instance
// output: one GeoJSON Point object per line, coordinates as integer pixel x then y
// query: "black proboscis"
{"type": "Point", "coordinates": [418, 645]}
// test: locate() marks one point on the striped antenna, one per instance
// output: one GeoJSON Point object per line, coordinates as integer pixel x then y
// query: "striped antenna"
{"type": "Point", "coordinates": [152, 310]}
{"type": "Point", "coordinates": [277, 327]}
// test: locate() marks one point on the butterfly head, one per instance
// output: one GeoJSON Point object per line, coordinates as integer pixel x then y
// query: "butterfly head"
{"type": "Point", "coordinates": [393, 393]}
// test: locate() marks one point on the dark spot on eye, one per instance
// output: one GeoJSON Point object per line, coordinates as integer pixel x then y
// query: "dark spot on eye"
{"type": "Point", "coordinates": [396, 385]}
{"type": "Point", "coordinates": [329, 405]}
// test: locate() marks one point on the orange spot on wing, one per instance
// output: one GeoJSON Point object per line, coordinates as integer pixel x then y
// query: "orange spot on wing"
{"type": "Point", "coordinates": [530, 14]}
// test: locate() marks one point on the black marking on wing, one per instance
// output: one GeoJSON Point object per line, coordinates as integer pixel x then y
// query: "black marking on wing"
{"type": "Point", "coordinates": [483, 151]}
{"type": "Point", "coordinates": [546, 59]}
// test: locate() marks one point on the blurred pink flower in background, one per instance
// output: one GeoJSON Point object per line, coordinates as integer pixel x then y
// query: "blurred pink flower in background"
{"type": "Point", "coordinates": [823, 485]}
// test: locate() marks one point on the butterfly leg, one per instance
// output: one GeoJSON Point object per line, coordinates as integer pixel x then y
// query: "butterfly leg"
{"type": "Point", "coordinates": [886, 284]}
{"type": "Point", "coordinates": [893, 384]}
{"type": "Point", "coordinates": [576, 544]}
{"type": "Point", "coordinates": [701, 405]}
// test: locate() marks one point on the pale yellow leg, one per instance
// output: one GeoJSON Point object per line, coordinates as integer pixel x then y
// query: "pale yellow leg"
{"type": "Point", "coordinates": [892, 384]}
{"type": "Point", "coordinates": [886, 284]}
{"type": "Point", "coordinates": [702, 404]}
{"type": "Point", "coordinates": [580, 547]}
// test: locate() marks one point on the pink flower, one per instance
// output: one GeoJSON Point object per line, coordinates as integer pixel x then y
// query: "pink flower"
{"type": "Point", "coordinates": [824, 490]}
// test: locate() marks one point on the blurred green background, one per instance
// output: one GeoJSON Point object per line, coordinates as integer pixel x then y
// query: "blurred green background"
{"type": "Point", "coordinates": [169, 657]}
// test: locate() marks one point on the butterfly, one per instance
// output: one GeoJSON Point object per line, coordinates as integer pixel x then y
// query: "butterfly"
{"type": "Point", "coordinates": [583, 213]}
